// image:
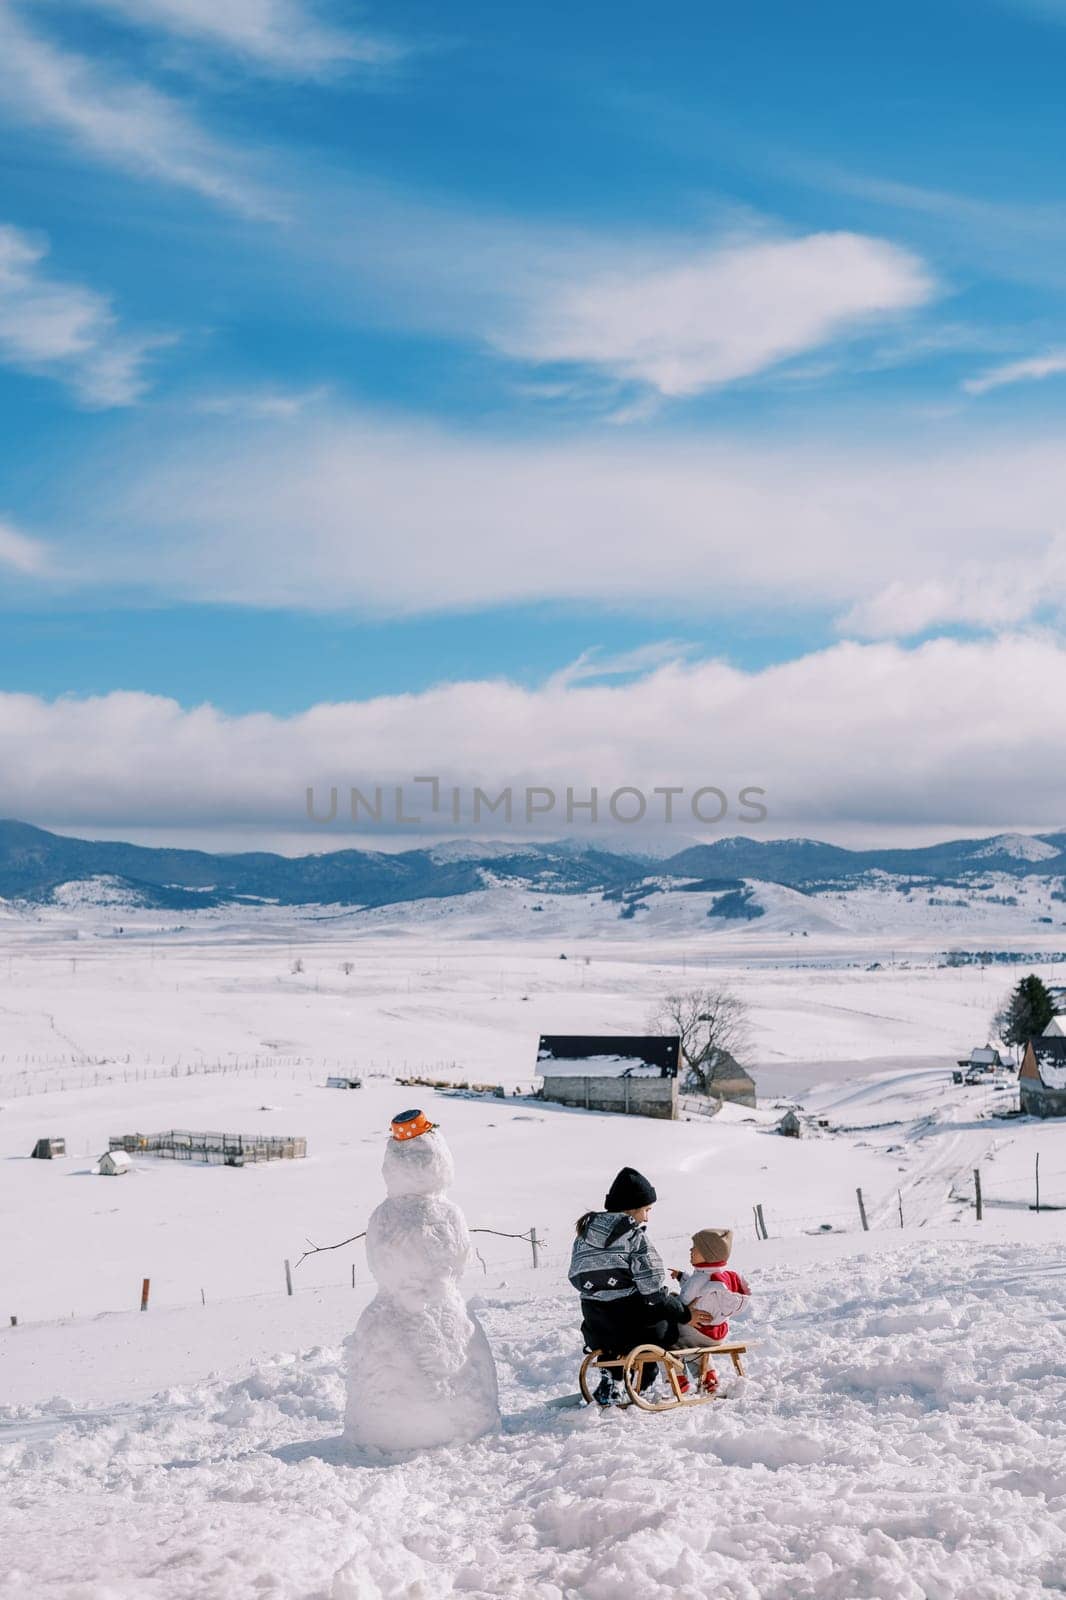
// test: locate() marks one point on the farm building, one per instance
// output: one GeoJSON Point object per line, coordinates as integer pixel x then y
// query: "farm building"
{"type": "Point", "coordinates": [984, 1058]}
{"type": "Point", "coordinates": [635, 1074]}
{"type": "Point", "coordinates": [344, 1083]}
{"type": "Point", "coordinates": [113, 1163]}
{"type": "Point", "coordinates": [729, 1081]}
{"type": "Point", "coordinates": [48, 1149]}
{"type": "Point", "coordinates": [790, 1126]}
{"type": "Point", "coordinates": [1042, 1080]}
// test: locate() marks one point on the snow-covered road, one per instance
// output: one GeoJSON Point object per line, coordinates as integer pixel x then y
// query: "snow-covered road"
{"type": "Point", "coordinates": [902, 1436]}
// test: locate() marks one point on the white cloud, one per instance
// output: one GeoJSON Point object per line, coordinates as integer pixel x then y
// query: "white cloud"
{"type": "Point", "coordinates": [1031, 370]}
{"type": "Point", "coordinates": [854, 734]}
{"type": "Point", "coordinates": [616, 321]}
{"type": "Point", "coordinates": [714, 316]}
{"type": "Point", "coordinates": [284, 36]}
{"type": "Point", "coordinates": [64, 330]}
{"type": "Point", "coordinates": [989, 594]}
{"type": "Point", "coordinates": [593, 666]}
{"type": "Point", "coordinates": [21, 553]}
{"type": "Point", "coordinates": [348, 512]}
{"type": "Point", "coordinates": [125, 123]}
{"type": "Point", "coordinates": [265, 404]}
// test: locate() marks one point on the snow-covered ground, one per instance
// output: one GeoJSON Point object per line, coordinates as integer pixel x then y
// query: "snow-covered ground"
{"type": "Point", "coordinates": [900, 1434]}
{"type": "Point", "coordinates": [79, 995]}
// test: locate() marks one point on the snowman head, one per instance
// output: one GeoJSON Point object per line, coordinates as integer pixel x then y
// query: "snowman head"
{"type": "Point", "coordinates": [417, 1163]}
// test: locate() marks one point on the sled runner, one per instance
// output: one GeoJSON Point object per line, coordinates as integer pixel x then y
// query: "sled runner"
{"type": "Point", "coordinates": [673, 1363]}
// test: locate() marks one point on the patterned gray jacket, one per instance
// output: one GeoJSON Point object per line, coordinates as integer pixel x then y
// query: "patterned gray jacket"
{"type": "Point", "coordinates": [614, 1258]}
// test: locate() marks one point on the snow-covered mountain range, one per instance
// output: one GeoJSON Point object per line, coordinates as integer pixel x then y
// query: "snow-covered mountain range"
{"type": "Point", "coordinates": [1013, 878]}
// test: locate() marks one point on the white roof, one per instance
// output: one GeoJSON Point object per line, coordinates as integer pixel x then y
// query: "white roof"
{"type": "Point", "coordinates": [117, 1158]}
{"type": "Point", "coordinates": [1052, 1074]}
{"type": "Point", "coordinates": [983, 1053]}
{"type": "Point", "coordinates": [1055, 1029]}
{"type": "Point", "coordinates": [597, 1067]}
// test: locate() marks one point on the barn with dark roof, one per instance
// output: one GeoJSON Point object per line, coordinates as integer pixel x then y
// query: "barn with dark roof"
{"type": "Point", "coordinates": [631, 1073]}
{"type": "Point", "coordinates": [1042, 1080]}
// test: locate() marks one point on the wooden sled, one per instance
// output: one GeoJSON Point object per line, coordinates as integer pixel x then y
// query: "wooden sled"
{"type": "Point", "coordinates": [673, 1363]}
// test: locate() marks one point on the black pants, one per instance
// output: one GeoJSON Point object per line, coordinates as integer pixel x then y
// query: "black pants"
{"type": "Point", "coordinates": [615, 1327]}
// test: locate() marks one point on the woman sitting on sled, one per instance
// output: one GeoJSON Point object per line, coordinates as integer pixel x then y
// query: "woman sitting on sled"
{"type": "Point", "coordinates": [618, 1273]}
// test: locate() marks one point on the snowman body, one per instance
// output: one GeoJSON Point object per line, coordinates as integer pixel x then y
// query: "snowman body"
{"type": "Point", "coordinates": [419, 1369]}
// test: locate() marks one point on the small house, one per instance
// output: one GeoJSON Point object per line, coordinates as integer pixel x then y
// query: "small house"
{"type": "Point", "coordinates": [48, 1149]}
{"type": "Point", "coordinates": [728, 1080]}
{"type": "Point", "coordinates": [1042, 1080]}
{"type": "Point", "coordinates": [635, 1074]}
{"type": "Point", "coordinates": [344, 1083]}
{"type": "Point", "coordinates": [790, 1126]}
{"type": "Point", "coordinates": [982, 1058]}
{"type": "Point", "coordinates": [113, 1163]}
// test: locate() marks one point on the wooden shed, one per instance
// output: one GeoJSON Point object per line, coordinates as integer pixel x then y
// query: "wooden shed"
{"type": "Point", "coordinates": [48, 1149]}
{"type": "Point", "coordinates": [730, 1081]}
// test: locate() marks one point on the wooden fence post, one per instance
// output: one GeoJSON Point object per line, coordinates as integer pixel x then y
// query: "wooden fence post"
{"type": "Point", "coordinates": [144, 1294]}
{"type": "Point", "coordinates": [1038, 1180]}
{"type": "Point", "coordinates": [535, 1243]}
{"type": "Point", "coordinates": [288, 1277]}
{"type": "Point", "coordinates": [977, 1191]}
{"type": "Point", "coordinates": [762, 1221]}
{"type": "Point", "coordinates": [14, 1322]}
{"type": "Point", "coordinates": [862, 1212]}
{"type": "Point", "coordinates": [899, 1196]}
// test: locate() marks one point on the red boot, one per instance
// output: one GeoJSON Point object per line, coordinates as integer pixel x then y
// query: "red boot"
{"type": "Point", "coordinates": [709, 1382]}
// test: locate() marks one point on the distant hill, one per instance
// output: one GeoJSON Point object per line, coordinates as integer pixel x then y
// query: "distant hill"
{"type": "Point", "coordinates": [35, 864]}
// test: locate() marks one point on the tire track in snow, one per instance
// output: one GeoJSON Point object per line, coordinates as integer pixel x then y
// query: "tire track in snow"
{"type": "Point", "coordinates": [926, 1191]}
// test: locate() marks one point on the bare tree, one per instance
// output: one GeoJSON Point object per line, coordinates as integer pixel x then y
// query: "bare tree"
{"type": "Point", "coordinates": [712, 1025]}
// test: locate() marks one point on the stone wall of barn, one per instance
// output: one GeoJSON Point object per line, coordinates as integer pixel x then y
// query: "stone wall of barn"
{"type": "Point", "coordinates": [637, 1097]}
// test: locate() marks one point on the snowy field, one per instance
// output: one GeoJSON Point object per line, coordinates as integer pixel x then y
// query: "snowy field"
{"type": "Point", "coordinates": [901, 1436]}
{"type": "Point", "coordinates": [422, 995]}
{"type": "Point", "coordinates": [901, 1431]}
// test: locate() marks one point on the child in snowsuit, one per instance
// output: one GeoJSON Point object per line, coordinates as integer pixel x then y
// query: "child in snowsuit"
{"type": "Point", "coordinates": [713, 1293]}
{"type": "Point", "coordinates": [619, 1275]}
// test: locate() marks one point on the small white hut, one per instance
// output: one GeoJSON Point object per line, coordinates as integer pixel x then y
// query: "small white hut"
{"type": "Point", "coordinates": [113, 1163]}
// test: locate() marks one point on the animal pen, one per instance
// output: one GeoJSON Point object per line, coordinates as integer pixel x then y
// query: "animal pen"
{"type": "Point", "coordinates": [223, 1149]}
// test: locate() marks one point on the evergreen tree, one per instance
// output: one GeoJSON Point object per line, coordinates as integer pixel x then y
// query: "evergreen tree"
{"type": "Point", "coordinates": [1028, 1010]}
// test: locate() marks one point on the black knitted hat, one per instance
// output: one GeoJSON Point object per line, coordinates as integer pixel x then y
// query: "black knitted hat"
{"type": "Point", "coordinates": [629, 1191]}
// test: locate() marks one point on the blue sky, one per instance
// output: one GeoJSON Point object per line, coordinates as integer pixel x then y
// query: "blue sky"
{"type": "Point", "coordinates": [353, 352]}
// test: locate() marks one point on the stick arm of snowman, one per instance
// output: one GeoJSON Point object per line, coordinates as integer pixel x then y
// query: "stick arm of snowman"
{"type": "Point", "coordinates": [316, 1249]}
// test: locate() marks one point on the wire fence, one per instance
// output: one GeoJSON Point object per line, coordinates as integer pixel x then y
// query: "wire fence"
{"type": "Point", "coordinates": [979, 1190]}
{"type": "Point", "coordinates": [57, 1074]}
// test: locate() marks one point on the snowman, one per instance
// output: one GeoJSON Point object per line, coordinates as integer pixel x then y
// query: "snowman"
{"type": "Point", "coordinates": [419, 1368]}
